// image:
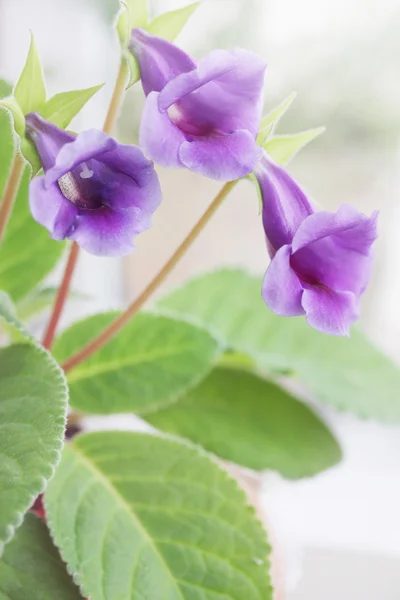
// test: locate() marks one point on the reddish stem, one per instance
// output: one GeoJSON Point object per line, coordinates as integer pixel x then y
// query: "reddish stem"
{"type": "Point", "coordinates": [61, 298]}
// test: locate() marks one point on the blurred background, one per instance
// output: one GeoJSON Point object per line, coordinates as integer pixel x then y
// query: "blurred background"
{"type": "Point", "coordinates": [338, 535]}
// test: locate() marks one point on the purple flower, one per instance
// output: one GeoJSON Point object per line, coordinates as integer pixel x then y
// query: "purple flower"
{"type": "Point", "coordinates": [203, 116]}
{"type": "Point", "coordinates": [95, 191]}
{"type": "Point", "coordinates": [321, 261]}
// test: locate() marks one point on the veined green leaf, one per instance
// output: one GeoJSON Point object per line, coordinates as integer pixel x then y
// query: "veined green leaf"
{"type": "Point", "coordinates": [349, 373]}
{"type": "Point", "coordinates": [170, 24]}
{"type": "Point", "coordinates": [30, 91]}
{"type": "Point", "coordinates": [33, 405]}
{"type": "Point", "coordinates": [271, 120]}
{"type": "Point", "coordinates": [282, 148]}
{"type": "Point", "coordinates": [63, 107]}
{"type": "Point", "coordinates": [31, 567]}
{"type": "Point", "coordinates": [250, 421]}
{"type": "Point", "coordinates": [149, 364]}
{"type": "Point", "coordinates": [140, 516]}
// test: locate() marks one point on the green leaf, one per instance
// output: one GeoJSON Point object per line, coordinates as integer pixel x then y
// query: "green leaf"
{"type": "Point", "coordinates": [36, 302]}
{"type": "Point", "coordinates": [41, 299]}
{"type": "Point", "coordinates": [7, 148]}
{"type": "Point", "coordinates": [5, 88]}
{"type": "Point", "coordinates": [349, 373]}
{"type": "Point", "coordinates": [139, 516]}
{"type": "Point", "coordinates": [250, 421]}
{"type": "Point", "coordinates": [27, 253]}
{"type": "Point", "coordinates": [33, 404]}
{"type": "Point", "coordinates": [63, 107]}
{"type": "Point", "coordinates": [170, 24]}
{"type": "Point", "coordinates": [282, 148]}
{"type": "Point", "coordinates": [149, 364]}
{"type": "Point", "coordinates": [271, 120]}
{"type": "Point", "coordinates": [30, 91]}
{"type": "Point", "coordinates": [31, 567]}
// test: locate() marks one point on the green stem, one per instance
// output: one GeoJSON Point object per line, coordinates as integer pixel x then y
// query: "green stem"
{"type": "Point", "coordinates": [116, 99]}
{"type": "Point", "coordinates": [107, 334]}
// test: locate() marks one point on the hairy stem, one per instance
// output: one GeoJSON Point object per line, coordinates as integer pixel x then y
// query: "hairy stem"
{"type": "Point", "coordinates": [62, 295]}
{"type": "Point", "coordinates": [107, 334]}
{"type": "Point", "coordinates": [10, 191]}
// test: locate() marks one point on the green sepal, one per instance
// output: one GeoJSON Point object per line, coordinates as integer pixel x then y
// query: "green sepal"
{"type": "Point", "coordinates": [282, 148]}
{"type": "Point", "coordinates": [63, 107]}
{"type": "Point", "coordinates": [30, 91]}
{"type": "Point", "coordinates": [270, 121]}
{"type": "Point", "coordinates": [170, 24]}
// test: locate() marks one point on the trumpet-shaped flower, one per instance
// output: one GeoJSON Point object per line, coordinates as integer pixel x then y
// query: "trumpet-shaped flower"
{"type": "Point", "coordinates": [320, 261]}
{"type": "Point", "coordinates": [203, 116]}
{"type": "Point", "coordinates": [94, 191]}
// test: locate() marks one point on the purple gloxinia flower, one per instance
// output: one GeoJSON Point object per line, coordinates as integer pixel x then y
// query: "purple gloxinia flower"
{"type": "Point", "coordinates": [95, 191]}
{"type": "Point", "coordinates": [320, 261]}
{"type": "Point", "coordinates": [203, 116]}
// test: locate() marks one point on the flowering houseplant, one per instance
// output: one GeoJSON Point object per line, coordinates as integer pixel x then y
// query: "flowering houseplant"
{"type": "Point", "coordinates": [127, 515]}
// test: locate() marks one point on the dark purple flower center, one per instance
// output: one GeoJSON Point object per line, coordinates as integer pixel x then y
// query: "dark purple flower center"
{"type": "Point", "coordinates": [82, 187]}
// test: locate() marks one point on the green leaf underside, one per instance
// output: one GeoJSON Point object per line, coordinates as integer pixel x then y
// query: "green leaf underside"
{"type": "Point", "coordinates": [31, 567]}
{"type": "Point", "coordinates": [27, 253]}
{"type": "Point", "coordinates": [33, 403]}
{"type": "Point", "coordinates": [63, 107]}
{"type": "Point", "coordinates": [170, 24]}
{"type": "Point", "coordinates": [282, 148]}
{"type": "Point", "coordinates": [271, 120]}
{"type": "Point", "coordinates": [138, 516]}
{"type": "Point", "coordinates": [30, 91]}
{"type": "Point", "coordinates": [351, 374]}
{"type": "Point", "coordinates": [247, 420]}
{"type": "Point", "coordinates": [149, 364]}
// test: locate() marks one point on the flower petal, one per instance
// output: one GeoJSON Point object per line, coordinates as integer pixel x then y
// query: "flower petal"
{"type": "Point", "coordinates": [65, 221]}
{"type": "Point", "coordinates": [329, 311]}
{"type": "Point", "coordinates": [45, 202]}
{"type": "Point", "coordinates": [230, 102]}
{"type": "Point", "coordinates": [224, 157]}
{"type": "Point", "coordinates": [282, 290]}
{"type": "Point", "coordinates": [209, 68]}
{"type": "Point", "coordinates": [106, 232]}
{"type": "Point", "coordinates": [159, 138]}
{"type": "Point", "coordinates": [89, 144]}
{"type": "Point", "coordinates": [285, 205]}
{"type": "Point", "coordinates": [47, 138]}
{"type": "Point", "coordinates": [334, 249]}
{"type": "Point", "coordinates": [128, 179]}
{"type": "Point", "coordinates": [159, 60]}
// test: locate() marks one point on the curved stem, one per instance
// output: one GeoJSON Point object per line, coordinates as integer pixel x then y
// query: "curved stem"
{"type": "Point", "coordinates": [122, 319]}
{"type": "Point", "coordinates": [116, 98]}
{"type": "Point", "coordinates": [10, 191]}
{"type": "Point", "coordinates": [62, 295]}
